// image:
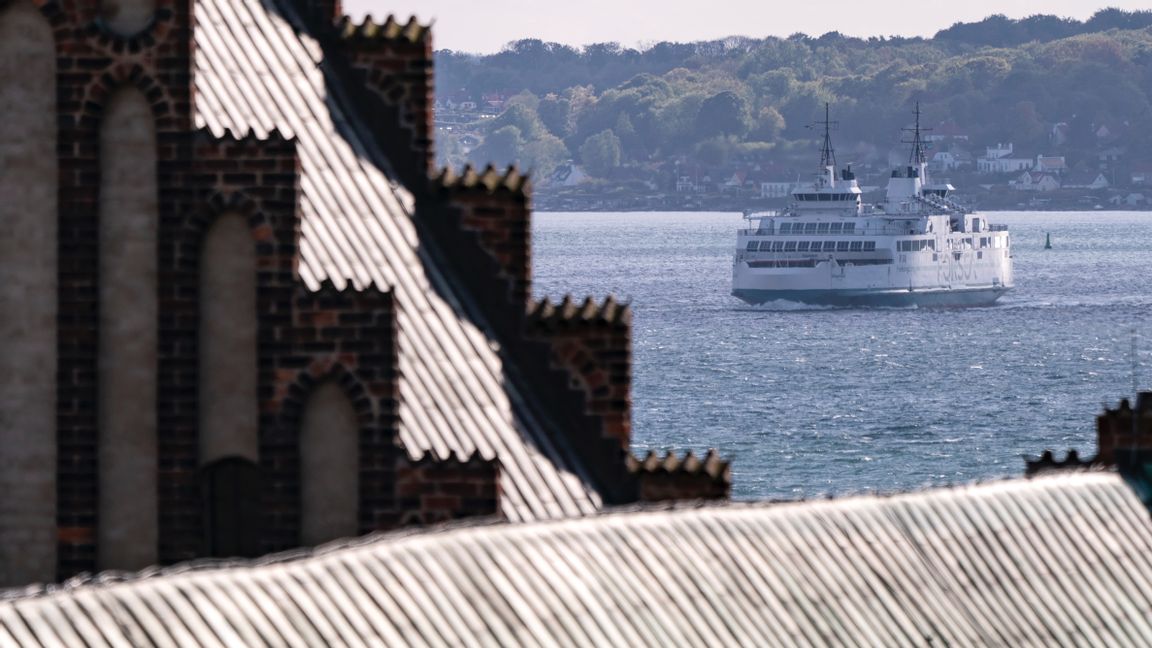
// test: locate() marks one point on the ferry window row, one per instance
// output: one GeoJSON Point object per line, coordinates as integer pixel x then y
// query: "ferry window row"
{"type": "Point", "coordinates": [916, 246]}
{"type": "Point", "coordinates": [825, 197]}
{"type": "Point", "coordinates": [812, 246]}
{"type": "Point", "coordinates": [818, 228]}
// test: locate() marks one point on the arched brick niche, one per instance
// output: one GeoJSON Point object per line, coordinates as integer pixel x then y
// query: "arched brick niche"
{"type": "Point", "coordinates": [28, 185]}
{"type": "Point", "coordinates": [329, 465]}
{"type": "Point", "coordinates": [126, 535]}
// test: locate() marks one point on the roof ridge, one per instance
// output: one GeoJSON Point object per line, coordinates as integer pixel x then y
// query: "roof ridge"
{"type": "Point", "coordinates": [389, 30]}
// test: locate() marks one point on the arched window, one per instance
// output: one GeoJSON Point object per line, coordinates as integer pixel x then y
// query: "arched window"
{"type": "Point", "coordinates": [127, 507]}
{"type": "Point", "coordinates": [329, 466]}
{"type": "Point", "coordinates": [28, 186]}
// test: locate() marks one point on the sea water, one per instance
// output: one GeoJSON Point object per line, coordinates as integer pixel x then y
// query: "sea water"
{"type": "Point", "coordinates": [810, 401]}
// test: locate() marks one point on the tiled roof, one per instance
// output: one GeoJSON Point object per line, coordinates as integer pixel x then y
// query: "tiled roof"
{"type": "Point", "coordinates": [1062, 560]}
{"type": "Point", "coordinates": [256, 70]}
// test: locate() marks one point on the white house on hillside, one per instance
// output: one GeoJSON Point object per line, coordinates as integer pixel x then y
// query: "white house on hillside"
{"type": "Point", "coordinates": [1035, 181]}
{"type": "Point", "coordinates": [998, 159]}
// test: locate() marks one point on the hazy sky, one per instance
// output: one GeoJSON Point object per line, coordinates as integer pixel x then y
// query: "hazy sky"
{"type": "Point", "coordinates": [486, 25]}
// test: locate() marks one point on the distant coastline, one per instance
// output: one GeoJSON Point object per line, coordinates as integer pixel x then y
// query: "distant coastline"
{"type": "Point", "coordinates": [551, 201]}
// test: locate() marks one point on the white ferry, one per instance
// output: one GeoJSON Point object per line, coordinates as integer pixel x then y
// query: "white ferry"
{"type": "Point", "coordinates": [917, 248]}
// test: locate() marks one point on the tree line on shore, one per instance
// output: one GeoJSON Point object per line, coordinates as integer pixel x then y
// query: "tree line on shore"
{"type": "Point", "coordinates": [607, 107]}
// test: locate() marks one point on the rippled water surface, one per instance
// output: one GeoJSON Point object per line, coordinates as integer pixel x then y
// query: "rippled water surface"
{"type": "Point", "coordinates": [809, 401]}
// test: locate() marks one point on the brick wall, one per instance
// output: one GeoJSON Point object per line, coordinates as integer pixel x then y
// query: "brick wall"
{"type": "Point", "coordinates": [430, 491]}
{"type": "Point", "coordinates": [1124, 429]}
{"type": "Point", "coordinates": [673, 478]}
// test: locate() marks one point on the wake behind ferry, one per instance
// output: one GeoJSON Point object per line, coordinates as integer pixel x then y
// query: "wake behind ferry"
{"type": "Point", "coordinates": [916, 248]}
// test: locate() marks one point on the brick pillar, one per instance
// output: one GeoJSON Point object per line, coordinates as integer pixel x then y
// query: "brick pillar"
{"type": "Point", "coordinates": [321, 13]}
{"type": "Point", "coordinates": [670, 478]}
{"type": "Point", "coordinates": [392, 62]}
{"type": "Point", "coordinates": [492, 209]}
{"type": "Point", "coordinates": [593, 343]}
{"type": "Point", "coordinates": [1124, 429]}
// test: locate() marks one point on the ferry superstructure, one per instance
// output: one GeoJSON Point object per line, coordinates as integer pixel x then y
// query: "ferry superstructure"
{"type": "Point", "coordinates": [916, 248]}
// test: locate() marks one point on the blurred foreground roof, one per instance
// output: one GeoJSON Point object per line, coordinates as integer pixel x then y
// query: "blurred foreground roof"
{"type": "Point", "coordinates": [1061, 559]}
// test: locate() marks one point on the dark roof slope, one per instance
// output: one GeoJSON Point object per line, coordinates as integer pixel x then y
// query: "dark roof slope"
{"type": "Point", "coordinates": [1057, 560]}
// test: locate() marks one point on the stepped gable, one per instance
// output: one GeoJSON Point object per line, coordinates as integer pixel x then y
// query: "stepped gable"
{"type": "Point", "coordinates": [673, 478]}
{"type": "Point", "coordinates": [1060, 559]}
{"type": "Point", "coordinates": [360, 225]}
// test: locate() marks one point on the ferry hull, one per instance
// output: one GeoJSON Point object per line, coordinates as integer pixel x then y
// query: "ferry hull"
{"type": "Point", "coordinates": [952, 298]}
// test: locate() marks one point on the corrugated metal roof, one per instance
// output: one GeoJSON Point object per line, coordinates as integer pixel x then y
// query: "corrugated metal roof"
{"type": "Point", "coordinates": [1061, 560]}
{"type": "Point", "coordinates": [254, 71]}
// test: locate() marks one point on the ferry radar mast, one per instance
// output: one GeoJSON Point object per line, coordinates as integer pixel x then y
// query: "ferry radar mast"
{"type": "Point", "coordinates": [827, 153]}
{"type": "Point", "coordinates": [917, 158]}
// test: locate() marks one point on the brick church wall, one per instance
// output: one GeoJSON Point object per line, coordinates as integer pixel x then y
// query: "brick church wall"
{"type": "Point", "coordinates": [575, 372]}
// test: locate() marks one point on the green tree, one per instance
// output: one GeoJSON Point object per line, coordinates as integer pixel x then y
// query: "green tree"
{"type": "Point", "coordinates": [556, 114]}
{"type": "Point", "coordinates": [725, 113]}
{"type": "Point", "coordinates": [600, 153]}
{"type": "Point", "coordinates": [543, 155]}
{"type": "Point", "coordinates": [769, 124]}
{"type": "Point", "coordinates": [502, 147]}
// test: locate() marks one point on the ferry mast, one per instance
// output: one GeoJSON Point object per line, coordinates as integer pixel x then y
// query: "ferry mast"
{"type": "Point", "coordinates": [917, 158]}
{"type": "Point", "coordinates": [827, 153]}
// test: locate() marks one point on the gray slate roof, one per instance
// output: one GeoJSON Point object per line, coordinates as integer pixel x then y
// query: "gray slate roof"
{"type": "Point", "coordinates": [1058, 560]}
{"type": "Point", "coordinates": [254, 71]}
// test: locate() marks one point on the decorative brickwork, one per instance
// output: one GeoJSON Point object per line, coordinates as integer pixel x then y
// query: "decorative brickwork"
{"type": "Point", "coordinates": [393, 63]}
{"type": "Point", "coordinates": [1121, 434]}
{"type": "Point", "coordinates": [92, 62]}
{"type": "Point", "coordinates": [347, 337]}
{"type": "Point", "coordinates": [593, 343]}
{"type": "Point", "coordinates": [257, 179]}
{"type": "Point", "coordinates": [494, 208]}
{"type": "Point", "coordinates": [671, 478]}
